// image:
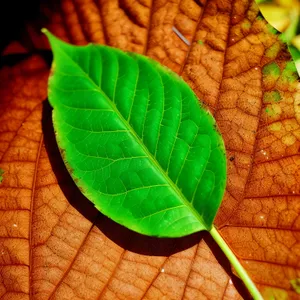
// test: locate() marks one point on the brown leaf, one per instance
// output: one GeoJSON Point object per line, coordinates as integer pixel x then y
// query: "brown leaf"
{"type": "Point", "coordinates": [55, 245]}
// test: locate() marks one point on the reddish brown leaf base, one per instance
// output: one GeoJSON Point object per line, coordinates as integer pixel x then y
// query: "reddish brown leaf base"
{"type": "Point", "coordinates": [55, 245]}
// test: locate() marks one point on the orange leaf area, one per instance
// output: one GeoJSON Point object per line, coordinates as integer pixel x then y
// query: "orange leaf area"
{"type": "Point", "coordinates": [55, 245]}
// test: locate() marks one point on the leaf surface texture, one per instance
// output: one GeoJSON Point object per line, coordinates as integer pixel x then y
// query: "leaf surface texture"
{"type": "Point", "coordinates": [240, 69]}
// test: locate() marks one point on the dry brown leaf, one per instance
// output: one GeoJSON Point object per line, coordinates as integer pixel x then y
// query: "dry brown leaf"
{"type": "Point", "coordinates": [55, 245]}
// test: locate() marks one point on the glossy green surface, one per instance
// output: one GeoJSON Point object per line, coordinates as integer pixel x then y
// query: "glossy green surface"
{"type": "Point", "coordinates": [135, 140]}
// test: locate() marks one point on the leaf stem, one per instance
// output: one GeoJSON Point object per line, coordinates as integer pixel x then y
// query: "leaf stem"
{"type": "Point", "coordinates": [236, 264]}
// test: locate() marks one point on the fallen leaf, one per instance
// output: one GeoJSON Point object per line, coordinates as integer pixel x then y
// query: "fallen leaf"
{"type": "Point", "coordinates": [54, 245]}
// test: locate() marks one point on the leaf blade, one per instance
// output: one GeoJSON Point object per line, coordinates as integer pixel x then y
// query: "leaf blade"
{"type": "Point", "coordinates": [195, 145]}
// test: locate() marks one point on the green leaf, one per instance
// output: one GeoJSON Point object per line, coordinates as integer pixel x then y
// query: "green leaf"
{"type": "Point", "coordinates": [136, 140]}
{"type": "Point", "coordinates": [296, 57]}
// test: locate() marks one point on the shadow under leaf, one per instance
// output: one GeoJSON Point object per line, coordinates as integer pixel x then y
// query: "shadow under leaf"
{"type": "Point", "coordinates": [224, 262]}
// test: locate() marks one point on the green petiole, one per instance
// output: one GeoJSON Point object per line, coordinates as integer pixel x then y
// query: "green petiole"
{"type": "Point", "coordinates": [236, 264]}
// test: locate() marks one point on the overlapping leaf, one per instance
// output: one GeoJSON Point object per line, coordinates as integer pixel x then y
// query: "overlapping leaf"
{"type": "Point", "coordinates": [239, 68]}
{"type": "Point", "coordinates": [136, 140]}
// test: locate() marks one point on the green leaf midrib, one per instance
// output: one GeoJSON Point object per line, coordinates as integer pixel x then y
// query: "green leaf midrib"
{"type": "Point", "coordinates": [140, 142]}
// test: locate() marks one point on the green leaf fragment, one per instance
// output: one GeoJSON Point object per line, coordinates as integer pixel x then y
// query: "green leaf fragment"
{"type": "Point", "coordinates": [1, 175]}
{"type": "Point", "coordinates": [271, 29]}
{"type": "Point", "coordinates": [274, 294]}
{"type": "Point", "coordinates": [136, 140]}
{"type": "Point", "coordinates": [246, 24]}
{"type": "Point", "coordinates": [296, 57]}
{"type": "Point", "coordinates": [296, 285]}
{"type": "Point", "coordinates": [271, 69]}
{"type": "Point", "coordinates": [289, 73]}
{"type": "Point", "coordinates": [272, 96]}
{"type": "Point", "coordinates": [273, 51]}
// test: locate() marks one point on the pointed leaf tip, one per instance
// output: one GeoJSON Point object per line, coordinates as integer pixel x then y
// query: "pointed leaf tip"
{"type": "Point", "coordinates": [53, 40]}
{"type": "Point", "coordinates": [48, 34]}
{"type": "Point", "coordinates": [44, 30]}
